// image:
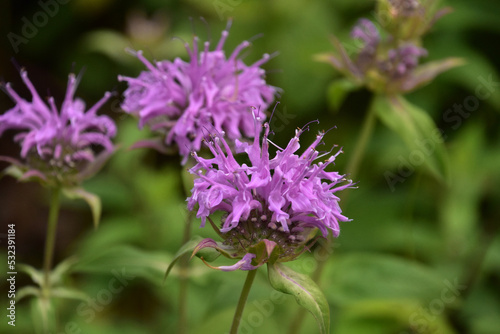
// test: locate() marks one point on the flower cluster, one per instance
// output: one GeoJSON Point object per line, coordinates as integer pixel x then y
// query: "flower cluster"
{"type": "Point", "coordinates": [366, 32]}
{"type": "Point", "coordinates": [381, 64]}
{"type": "Point", "coordinates": [58, 146]}
{"type": "Point", "coordinates": [401, 62]}
{"type": "Point", "coordinates": [180, 99]}
{"type": "Point", "coordinates": [282, 200]}
{"type": "Point", "coordinates": [390, 64]}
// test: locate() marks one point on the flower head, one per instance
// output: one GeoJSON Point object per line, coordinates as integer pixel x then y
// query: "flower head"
{"type": "Point", "coordinates": [401, 62]}
{"type": "Point", "coordinates": [59, 147]}
{"type": "Point", "coordinates": [180, 99]}
{"type": "Point", "coordinates": [385, 65]}
{"type": "Point", "coordinates": [366, 31]}
{"type": "Point", "coordinates": [281, 201]}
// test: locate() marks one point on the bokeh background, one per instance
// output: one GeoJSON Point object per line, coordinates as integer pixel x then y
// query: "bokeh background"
{"type": "Point", "coordinates": [420, 257]}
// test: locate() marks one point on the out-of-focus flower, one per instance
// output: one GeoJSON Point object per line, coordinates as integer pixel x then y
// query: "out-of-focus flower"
{"type": "Point", "coordinates": [401, 61]}
{"type": "Point", "coordinates": [273, 206]}
{"type": "Point", "coordinates": [181, 100]}
{"type": "Point", "coordinates": [388, 65]}
{"type": "Point", "coordinates": [366, 31]}
{"type": "Point", "coordinates": [58, 147]}
{"type": "Point", "coordinates": [409, 20]}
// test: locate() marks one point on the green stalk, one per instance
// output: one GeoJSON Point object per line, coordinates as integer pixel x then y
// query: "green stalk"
{"type": "Point", "coordinates": [184, 261]}
{"type": "Point", "coordinates": [352, 170]}
{"type": "Point", "coordinates": [362, 143]}
{"type": "Point", "coordinates": [242, 301]}
{"type": "Point", "coordinates": [184, 269]}
{"type": "Point", "coordinates": [50, 240]}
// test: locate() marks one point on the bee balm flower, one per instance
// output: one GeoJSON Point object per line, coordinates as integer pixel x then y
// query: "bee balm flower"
{"type": "Point", "coordinates": [180, 99]}
{"type": "Point", "coordinates": [274, 204]}
{"type": "Point", "coordinates": [58, 146]}
{"type": "Point", "coordinates": [388, 63]}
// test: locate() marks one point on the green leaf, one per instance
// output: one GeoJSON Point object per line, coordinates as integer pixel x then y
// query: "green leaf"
{"type": "Point", "coordinates": [305, 291]}
{"type": "Point", "coordinates": [361, 276]}
{"type": "Point", "coordinates": [338, 91]}
{"type": "Point", "coordinates": [418, 131]}
{"type": "Point", "coordinates": [27, 291]}
{"type": "Point", "coordinates": [61, 269]}
{"type": "Point", "coordinates": [460, 212]}
{"type": "Point", "coordinates": [425, 73]}
{"type": "Point", "coordinates": [68, 293]}
{"type": "Point", "coordinates": [208, 254]}
{"type": "Point", "coordinates": [92, 200]}
{"type": "Point", "coordinates": [56, 274]}
{"type": "Point", "coordinates": [13, 171]}
{"type": "Point", "coordinates": [126, 261]}
{"type": "Point", "coordinates": [108, 42]}
{"type": "Point", "coordinates": [187, 248]}
{"type": "Point", "coordinates": [36, 275]}
{"type": "Point", "coordinates": [389, 316]}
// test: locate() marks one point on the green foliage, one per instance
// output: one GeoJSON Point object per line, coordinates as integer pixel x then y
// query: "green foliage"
{"type": "Point", "coordinates": [387, 316]}
{"type": "Point", "coordinates": [92, 200]}
{"type": "Point", "coordinates": [304, 289]}
{"type": "Point", "coordinates": [338, 91]}
{"type": "Point", "coordinates": [418, 131]}
{"type": "Point", "coordinates": [387, 271]}
{"type": "Point", "coordinates": [369, 276]}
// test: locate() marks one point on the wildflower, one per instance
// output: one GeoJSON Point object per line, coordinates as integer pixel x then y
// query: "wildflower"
{"type": "Point", "coordinates": [388, 65]}
{"type": "Point", "coordinates": [274, 206]}
{"type": "Point", "coordinates": [58, 147]}
{"type": "Point", "coordinates": [366, 31]}
{"type": "Point", "coordinates": [401, 61]}
{"type": "Point", "coordinates": [179, 99]}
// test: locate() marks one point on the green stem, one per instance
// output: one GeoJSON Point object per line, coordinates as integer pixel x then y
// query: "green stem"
{"type": "Point", "coordinates": [184, 268]}
{"type": "Point", "coordinates": [50, 240]}
{"type": "Point", "coordinates": [362, 143]}
{"type": "Point", "coordinates": [352, 170]}
{"type": "Point", "coordinates": [242, 301]}
{"type": "Point", "coordinates": [184, 261]}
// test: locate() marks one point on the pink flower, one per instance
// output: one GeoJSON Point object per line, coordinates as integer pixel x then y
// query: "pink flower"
{"type": "Point", "coordinates": [180, 99]}
{"type": "Point", "coordinates": [58, 145]}
{"type": "Point", "coordinates": [279, 200]}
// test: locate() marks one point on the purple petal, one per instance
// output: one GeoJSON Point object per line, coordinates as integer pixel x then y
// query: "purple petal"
{"type": "Point", "coordinates": [244, 264]}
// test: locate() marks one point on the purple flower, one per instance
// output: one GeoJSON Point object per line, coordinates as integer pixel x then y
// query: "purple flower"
{"type": "Point", "coordinates": [389, 63]}
{"type": "Point", "coordinates": [401, 61]}
{"type": "Point", "coordinates": [280, 200]}
{"type": "Point", "coordinates": [58, 146]}
{"type": "Point", "coordinates": [180, 99]}
{"type": "Point", "coordinates": [367, 32]}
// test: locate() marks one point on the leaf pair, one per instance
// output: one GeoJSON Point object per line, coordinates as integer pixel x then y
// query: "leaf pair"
{"type": "Point", "coordinates": [42, 305]}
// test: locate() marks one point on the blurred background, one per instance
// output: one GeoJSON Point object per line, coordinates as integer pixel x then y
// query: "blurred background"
{"type": "Point", "coordinates": [421, 256]}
